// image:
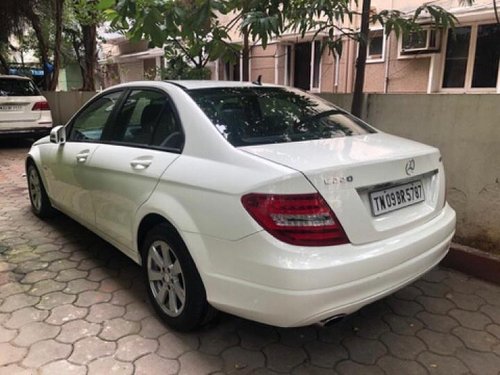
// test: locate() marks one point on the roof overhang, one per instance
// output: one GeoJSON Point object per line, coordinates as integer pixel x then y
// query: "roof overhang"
{"type": "Point", "coordinates": [131, 57]}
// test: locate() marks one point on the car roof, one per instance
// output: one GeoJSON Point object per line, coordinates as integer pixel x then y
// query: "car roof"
{"type": "Point", "coordinates": [207, 84]}
{"type": "Point", "coordinates": [14, 77]}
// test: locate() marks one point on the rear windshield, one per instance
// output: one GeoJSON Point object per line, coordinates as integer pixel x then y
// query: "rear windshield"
{"type": "Point", "coordinates": [17, 87]}
{"type": "Point", "coordinates": [261, 115]}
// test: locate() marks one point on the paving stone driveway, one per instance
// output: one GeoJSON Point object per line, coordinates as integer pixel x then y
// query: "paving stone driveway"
{"type": "Point", "coordinates": [71, 304]}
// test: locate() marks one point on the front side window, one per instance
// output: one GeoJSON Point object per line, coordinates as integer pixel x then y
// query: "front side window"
{"type": "Point", "coordinates": [147, 118]}
{"type": "Point", "coordinates": [88, 125]}
{"type": "Point", "coordinates": [251, 116]}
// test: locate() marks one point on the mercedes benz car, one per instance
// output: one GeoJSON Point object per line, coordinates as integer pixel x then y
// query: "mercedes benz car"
{"type": "Point", "coordinates": [261, 201]}
{"type": "Point", "coordinates": [24, 111]}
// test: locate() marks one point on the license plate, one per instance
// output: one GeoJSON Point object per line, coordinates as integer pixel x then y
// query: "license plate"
{"type": "Point", "coordinates": [10, 108]}
{"type": "Point", "coordinates": [396, 197]}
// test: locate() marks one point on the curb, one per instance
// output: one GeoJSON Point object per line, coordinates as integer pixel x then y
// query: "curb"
{"type": "Point", "coordinates": [473, 262]}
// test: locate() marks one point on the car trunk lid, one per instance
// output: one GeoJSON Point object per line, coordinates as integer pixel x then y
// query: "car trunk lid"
{"type": "Point", "coordinates": [352, 173]}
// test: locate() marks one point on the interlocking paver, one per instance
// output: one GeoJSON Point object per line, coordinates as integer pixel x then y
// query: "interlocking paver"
{"type": "Point", "coordinates": [134, 346]}
{"type": "Point", "coordinates": [110, 365]}
{"type": "Point", "coordinates": [11, 354]}
{"type": "Point", "coordinates": [480, 363]}
{"type": "Point", "coordinates": [476, 340]}
{"type": "Point", "coordinates": [364, 351]}
{"type": "Point", "coordinates": [91, 297]}
{"type": "Point", "coordinates": [282, 358]}
{"type": "Point", "coordinates": [36, 331]}
{"type": "Point", "coordinates": [18, 301]}
{"type": "Point", "coordinates": [353, 368]}
{"type": "Point", "coordinates": [494, 329]}
{"type": "Point", "coordinates": [492, 296]}
{"type": "Point", "coordinates": [51, 300]}
{"type": "Point", "coordinates": [442, 365]}
{"type": "Point", "coordinates": [66, 313]}
{"type": "Point", "coordinates": [199, 363]}
{"type": "Point", "coordinates": [493, 312]}
{"type": "Point", "coordinates": [152, 328]}
{"type": "Point", "coordinates": [14, 369]}
{"type": "Point", "coordinates": [471, 319]}
{"type": "Point", "coordinates": [392, 365]}
{"type": "Point", "coordinates": [324, 354]}
{"type": "Point", "coordinates": [435, 322]}
{"type": "Point", "coordinates": [256, 336]}
{"type": "Point", "coordinates": [80, 285]}
{"type": "Point", "coordinates": [466, 301]}
{"type": "Point", "coordinates": [440, 343]}
{"type": "Point", "coordinates": [215, 341]}
{"type": "Point", "coordinates": [35, 276]}
{"type": "Point", "coordinates": [436, 305]}
{"type": "Point", "coordinates": [104, 311]}
{"type": "Point", "coordinates": [173, 345]}
{"type": "Point", "coordinates": [154, 364]}
{"type": "Point", "coordinates": [115, 329]}
{"type": "Point", "coordinates": [242, 361]}
{"type": "Point", "coordinates": [76, 330]}
{"type": "Point", "coordinates": [7, 334]}
{"type": "Point", "coordinates": [404, 347]}
{"type": "Point", "coordinates": [72, 304]}
{"type": "Point", "coordinates": [137, 311]}
{"type": "Point", "coordinates": [62, 367]}
{"type": "Point", "coordinates": [369, 329]}
{"type": "Point", "coordinates": [90, 348]}
{"type": "Point", "coordinates": [24, 316]}
{"type": "Point", "coordinates": [44, 352]}
{"type": "Point", "coordinates": [46, 286]}
{"type": "Point", "coordinates": [71, 274]}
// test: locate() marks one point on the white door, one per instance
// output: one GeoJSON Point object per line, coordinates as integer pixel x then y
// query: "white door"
{"type": "Point", "coordinates": [67, 171]}
{"type": "Point", "coordinates": [145, 139]}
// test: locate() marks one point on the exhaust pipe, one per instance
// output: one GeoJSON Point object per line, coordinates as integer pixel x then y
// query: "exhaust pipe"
{"type": "Point", "coordinates": [331, 320]}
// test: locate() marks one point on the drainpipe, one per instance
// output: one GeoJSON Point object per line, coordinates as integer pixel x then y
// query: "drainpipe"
{"type": "Point", "coordinates": [387, 62]}
{"type": "Point", "coordinates": [337, 72]}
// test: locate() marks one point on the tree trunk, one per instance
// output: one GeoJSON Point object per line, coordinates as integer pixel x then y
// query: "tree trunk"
{"type": "Point", "coordinates": [357, 100]}
{"type": "Point", "coordinates": [89, 36]}
{"type": "Point", "coordinates": [4, 65]}
{"type": "Point", "coordinates": [58, 12]}
{"type": "Point", "coordinates": [42, 45]}
{"type": "Point", "coordinates": [245, 57]}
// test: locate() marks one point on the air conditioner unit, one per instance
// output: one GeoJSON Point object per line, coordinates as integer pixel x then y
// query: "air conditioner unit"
{"type": "Point", "coordinates": [421, 41]}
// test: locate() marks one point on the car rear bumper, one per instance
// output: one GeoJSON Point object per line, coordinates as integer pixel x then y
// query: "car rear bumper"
{"type": "Point", "coordinates": [29, 131]}
{"type": "Point", "coordinates": [263, 279]}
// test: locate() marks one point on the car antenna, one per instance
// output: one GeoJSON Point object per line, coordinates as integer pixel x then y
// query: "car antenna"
{"type": "Point", "coordinates": [258, 81]}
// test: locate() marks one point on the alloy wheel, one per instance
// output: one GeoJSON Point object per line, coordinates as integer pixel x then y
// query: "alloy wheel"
{"type": "Point", "coordinates": [166, 279]}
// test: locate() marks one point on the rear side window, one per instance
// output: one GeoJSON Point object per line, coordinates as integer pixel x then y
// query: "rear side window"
{"type": "Point", "coordinates": [250, 116]}
{"type": "Point", "coordinates": [147, 118]}
{"type": "Point", "coordinates": [89, 124]}
{"type": "Point", "coordinates": [17, 87]}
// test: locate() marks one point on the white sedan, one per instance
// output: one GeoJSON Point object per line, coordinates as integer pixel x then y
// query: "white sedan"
{"type": "Point", "coordinates": [261, 201]}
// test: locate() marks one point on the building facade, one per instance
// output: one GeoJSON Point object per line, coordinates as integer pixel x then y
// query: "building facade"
{"type": "Point", "coordinates": [122, 60]}
{"type": "Point", "coordinates": [463, 60]}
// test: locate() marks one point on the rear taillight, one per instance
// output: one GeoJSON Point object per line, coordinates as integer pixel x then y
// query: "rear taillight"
{"type": "Point", "coordinates": [41, 106]}
{"type": "Point", "coordinates": [297, 219]}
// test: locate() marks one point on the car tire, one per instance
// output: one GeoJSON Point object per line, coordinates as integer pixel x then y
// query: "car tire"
{"type": "Point", "coordinates": [40, 202]}
{"type": "Point", "coordinates": [174, 285]}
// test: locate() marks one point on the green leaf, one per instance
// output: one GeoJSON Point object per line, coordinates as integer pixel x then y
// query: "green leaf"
{"type": "Point", "coordinates": [105, 4]}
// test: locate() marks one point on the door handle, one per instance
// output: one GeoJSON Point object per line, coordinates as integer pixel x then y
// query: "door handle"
{"type": "Point", "coordinates": [82, 156]}
{"type": "Point", "coordinates": [140, 164]}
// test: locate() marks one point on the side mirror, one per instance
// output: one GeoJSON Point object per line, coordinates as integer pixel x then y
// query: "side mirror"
{"type": "Point", "coordinates": [58, 135]}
